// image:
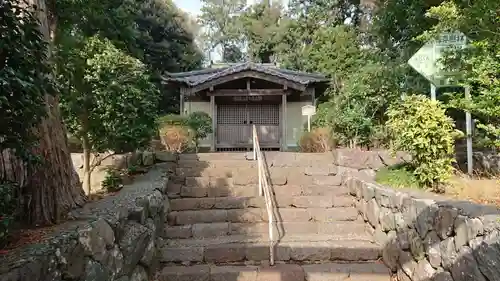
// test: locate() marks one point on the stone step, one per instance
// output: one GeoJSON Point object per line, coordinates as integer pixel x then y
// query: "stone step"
{"type": "Point", "coordinates": [340, 250]}
{"type": "Point", "coordinates": [371, 271]}
{"type": "Point", "coordinates": [209, 229]}
{"type": "Point", "coordinates": [260, 214]}
{"type": "Point", "coordinates": [213, 156]}
{"type": "Point", "coordinates": [188, 198]}
{"type": "Point", "coordinates": [309, 201]}
{"type": "Point", "coordinates": [234, 170]}
{"type": "Point", "coordinates": [226, 163]}
{"type": "Point", "coordinates": [264, 238]}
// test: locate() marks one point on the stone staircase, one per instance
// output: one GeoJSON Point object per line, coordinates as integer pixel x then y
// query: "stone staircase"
{"type": "Point", "coordinates": [218, 224]}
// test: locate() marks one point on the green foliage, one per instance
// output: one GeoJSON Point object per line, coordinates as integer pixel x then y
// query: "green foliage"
{"type": "Point", "coordinates": [261, 26]}
{"type": "Point", "coordinates": [155, 32]}
{"type": "Point", "coordinates": [421, 128]}
{"type": "Point", "coordinates": [361, 89]}
{"type": "Point", "coordinates": [303, 19]}
{"type": "Point", "coordinates": [482, 60]}
{"type": "Point", "coordinates": [399, 176]}
{"type": "Point", "coordinates": [335, 51]}
{"type": "Point", "coordinates": [222, 25]}
{"type": "Point", "coordinates": [112, 181]}
{"type": "Point", "coordinates": [478, 65]}
{"type": "Point", "coordinates": [7, 209]}
{"type": "Point", "coordinates": [24, 76]}
{"type": "Point", "coordinates": [108, 98]}
{"type": "Point", "coordinates": [395, 25]}
{"type": "Point", "coordinates": [132, 170]}
{"type": "Point", "coordinates": [380, 136]}
{"type": "Point", "coordinates": [201, 125]}
{"type": "Point", "coordinates": [232, 54]}
{"type": "Point", "coordinates": [349, 121]}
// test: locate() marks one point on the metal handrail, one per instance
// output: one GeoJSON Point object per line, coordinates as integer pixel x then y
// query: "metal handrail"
{"type": "Point", "coordinates": [264, 190]}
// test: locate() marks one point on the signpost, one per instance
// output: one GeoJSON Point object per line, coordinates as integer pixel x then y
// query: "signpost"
{"type": "Point", "coordinates": [308, 110]}
{"type": "Point", "coordinates": [426, 62]}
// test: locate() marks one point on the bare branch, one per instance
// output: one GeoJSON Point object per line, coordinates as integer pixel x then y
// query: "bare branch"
{"type": "Point", "coordinates": [98, 161]}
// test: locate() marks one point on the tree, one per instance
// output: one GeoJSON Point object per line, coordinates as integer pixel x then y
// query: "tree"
{"type": "Point", "coordinates": [262, 30]}
{"type": "Point", "coordinates": [304, 18]}
{"type": "Point", "coordinates": [49, 187]}
{"type": "Point", "coordinates": [336, 52]}
{"type": "Point", "coordinates": [153, 31]}
{"type": "Point", "coordinates": [232, 54]}
{"type": "Point", "coordinates": [477, 66]}
{"type": "Point", "coordinates": [361, 86]}
{"type": "Point", "coordinates": [221, 22]}
{"type": "Point", "coordinates": [109, 101]}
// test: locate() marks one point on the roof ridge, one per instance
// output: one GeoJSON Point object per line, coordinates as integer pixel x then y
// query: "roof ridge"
{"type": "Point", "coordinates": [193, 72]}
{"type": "Point", "coordinates": [201, 76]}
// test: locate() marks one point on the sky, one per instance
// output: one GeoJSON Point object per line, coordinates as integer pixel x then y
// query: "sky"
{"type": "Point", "coordinates": [191, 6]}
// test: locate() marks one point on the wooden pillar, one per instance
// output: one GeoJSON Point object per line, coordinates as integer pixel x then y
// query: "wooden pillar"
{"type": "Point", "coordinates": [181, 102]}
{"type": "Point", "coordinates": [214, 122]}
{"type": "Point", "coordinates": [284, 145]}
{"type": "Point", "coordinates": [313, 96]}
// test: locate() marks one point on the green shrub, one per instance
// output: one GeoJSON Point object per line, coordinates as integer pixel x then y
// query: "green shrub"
{"type": "Point", "coordinates": [7, 208]}
{"type": "Point", "coordinates": [132, 170]}
{"type": "Point", "coordinates": [420, 127]}
{"type": "Point", "coordinates": [380, 137]}
{"type": "Point", "coordinates": [200, 124]}
{"type": "Point", "coordinates": [400, 176]}
{"type": "Point", "coordinates": [351, 121]}
{"type": "Point", "coordinates": [112, 181]}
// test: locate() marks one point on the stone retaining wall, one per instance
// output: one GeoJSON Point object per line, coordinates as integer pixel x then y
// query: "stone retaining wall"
{"type": "Point", "coordinates": [487, 162]}
{"type": "Point", "coordinates": [115, 238]}
{"type": "Point", "coordinates": [427, 237]}
{"type": "Point", "coordinates": [367, 160]}
{"type": "Point", "coordinates": [424, 236]}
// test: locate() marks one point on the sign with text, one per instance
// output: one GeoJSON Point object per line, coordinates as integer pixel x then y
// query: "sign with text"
{"type": "Point", "coordinates": [308, 110]}
{"type": "Point", "coordinates": [247, 98]}
{"type": "Point", "coordinates": [426, 60]}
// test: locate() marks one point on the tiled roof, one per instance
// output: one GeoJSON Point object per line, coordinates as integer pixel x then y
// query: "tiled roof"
{"type": "Point", "coordinates": [194, 78]}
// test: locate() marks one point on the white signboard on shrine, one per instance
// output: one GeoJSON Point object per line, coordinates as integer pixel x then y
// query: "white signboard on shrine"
{"type": "Point", "coordinates": [426, 60]}
{"type": "Point", "coordinates": [308, 110]}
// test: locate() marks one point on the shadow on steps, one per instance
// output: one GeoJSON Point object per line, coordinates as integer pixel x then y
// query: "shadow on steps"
{"type": "Point", "coordinates": [218, 228]}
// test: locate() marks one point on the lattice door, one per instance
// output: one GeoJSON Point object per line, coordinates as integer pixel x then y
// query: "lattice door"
{"type": "Point", "coordinates": [266, 118]}
{"type": "Point", "coordinates": [232, 125]}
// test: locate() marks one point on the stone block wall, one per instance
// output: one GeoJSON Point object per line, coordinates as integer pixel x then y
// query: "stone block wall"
{"type": "Point", "coordinates": [487, 162]}
{"type": "Point", "coordinates": [428, 237]}
{"type": "Point", "coordinates": [116, 238]}
{"type": "Point", "coordinates": [367, 160]}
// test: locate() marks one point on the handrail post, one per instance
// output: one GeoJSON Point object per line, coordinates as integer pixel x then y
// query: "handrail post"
{"type": "Point", "coordinates": [254, 148]}
{"type": "Point", "coordinates": [264, 190]}
{"type": "Point", "coordinates": [261, 189]}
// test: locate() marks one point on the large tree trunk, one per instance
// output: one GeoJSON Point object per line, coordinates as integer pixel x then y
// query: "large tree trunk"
{"type": "Point", "coordinates": [50, 190]}
{"type": "Point", "coordinates": [54, 187]}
